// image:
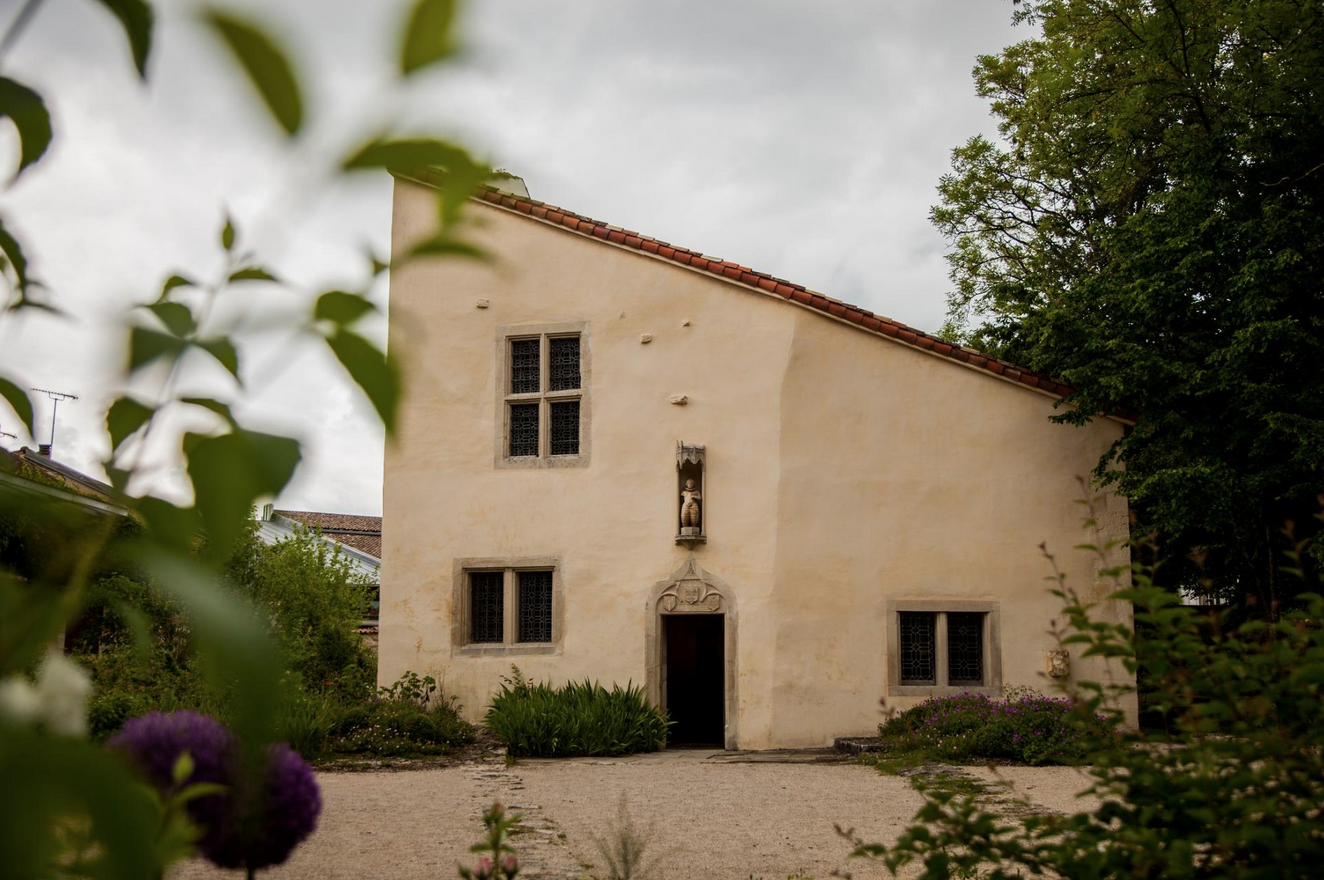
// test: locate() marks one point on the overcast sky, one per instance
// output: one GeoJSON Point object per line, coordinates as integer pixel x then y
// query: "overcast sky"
{"type": "Point", "coordinates": [804, 139]}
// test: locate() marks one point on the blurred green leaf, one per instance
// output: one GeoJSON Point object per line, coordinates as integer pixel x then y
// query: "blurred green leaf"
{"type": "Point", "coordinates": [145, 346]}
{"type": "Point", "coordinates": [340, 307]}
{"type": "Point", "coordinates": [13, 251]}
{"type": "Point", "coordinates": [232, 641]}
{"type": "Point", "coordinates": [170, 526]}
{"type": "Point", "coordinates": [227, 233]}
{"type": "Point", "coordinates": [171, 283]}
{"type": "Point", "coordinates": [252, 274]}
{"type": "Point", "coordinates": [428, 36]}
{"type": "Point", "coordinates": [125, 416]}
{"type": "Point", "coordinates": [409, 154]}
{"type": "Point", "coordinates": [136, 17]}
{"type": "Point", "coordinates": [378, 266]}
{"type": "Point", "coordinates": [220, 408]}
{"type": "Point", "coordinates": [139, 626]}
{"type": "Point", "coordinates": [230, 472]}
{"type": "Point", "coordinates": [183, 768]}
{"type": "Point", "coordinates": [18, 401]}
{"type": "Point", "coordinates": [375, 372]}
{"type": "Point", "coordinates": [265, 64]}
{"type": "Point", "coordinates": [223, 350]}
{"type": "Point", "coordinates": [31, 616]}
{"type": "Point", "coordinates": [445, 246]}
{"type": "Point", "coordinates": [63, 779]}
{"type": "Point", "coordinates": [177, 317]}
{"type": "Point", "coordinates": [27, 111]}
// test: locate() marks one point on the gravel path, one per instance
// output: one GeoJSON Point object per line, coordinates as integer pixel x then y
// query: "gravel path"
{"type": "Point", "coordinates": [709, 816]}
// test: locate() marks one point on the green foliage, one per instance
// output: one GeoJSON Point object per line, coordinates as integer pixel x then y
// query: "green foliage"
{"type": "Point", "coordinates": [268, 69]}
{"type": "Point", "coordinates": [498, 860]}
{"type": "Point", "coordinates": [1150, 229]}
{"type": "Point", "coordinates": [137, 18]}
{"type": "Point", "coordinates": [1026, 729]}
{"type": "Point", "coordinates": [1230, 790]}
{"type": "Point", "coordinates": [428, 35]}
{"type": "Point", "coordinates": [407, 719]}
{"type": "Point", "coordinates": [143, 596]}
{"type": "Point", "coordinates": [18, 401]}
{"type": "Point", "coordinates": [625, 846]}
{"type": "Point", "coordinates": [315, 600]}
{"type": "Point", "coordinates": [537, 720]}
{"type": "Point", "coordinates": [27, 111]}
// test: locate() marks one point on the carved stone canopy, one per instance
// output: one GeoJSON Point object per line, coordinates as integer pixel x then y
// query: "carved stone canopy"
{"type": "Point", "coordinates": [691, 590]}
{"type": "Point", "coordinates": [688, 454]}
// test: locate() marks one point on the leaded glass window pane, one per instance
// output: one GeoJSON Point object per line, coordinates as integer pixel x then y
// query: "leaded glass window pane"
{"type": "Point", "coordinates": [486, 606]}
{"type": "Point", "coordinates": [523, 429]}
{"type": "Point", "coordinates": [918, 664]}
{"type": "Point", "coordinates": [524, 366]}
{"type": "Point", "coordinates": [535, 606]}
{"type": "Point", "coordinates": [565, 428]}
{"type": "Point", "coordinates": [563, 363]}
{"type": "Point", "coordinates": [965, 648]}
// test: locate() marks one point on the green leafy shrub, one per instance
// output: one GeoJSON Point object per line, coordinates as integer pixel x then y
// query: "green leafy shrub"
{"type": "Point", "coordinates": [580, 718]}
{"type": "Point", "coordinates": [406, 719]}
{"type": "Point", "coordinates": [1027, 729]}
{"type": "Point", "coordinates": [306, 723]}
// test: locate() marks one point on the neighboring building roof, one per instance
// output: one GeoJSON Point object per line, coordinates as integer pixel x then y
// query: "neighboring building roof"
{"type": "Point", "coordinates": [763, 282]}
{"type": "Point", "coordinates": [363, 533]}
{"type": "Point", "coordinates": [359, 537]}
{"type": "Point", "coordinates": [33, 471]}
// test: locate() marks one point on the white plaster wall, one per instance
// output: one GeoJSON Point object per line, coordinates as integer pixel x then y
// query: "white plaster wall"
{"type": "Point", "coordinates": [843, 470]}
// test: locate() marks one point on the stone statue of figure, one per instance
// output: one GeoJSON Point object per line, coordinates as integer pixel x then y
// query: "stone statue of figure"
{"type": "Point", "coordinates": [689, 506]}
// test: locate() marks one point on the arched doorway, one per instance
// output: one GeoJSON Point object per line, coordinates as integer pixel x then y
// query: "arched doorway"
{"type": "Point", "coordinates": [690, 647]}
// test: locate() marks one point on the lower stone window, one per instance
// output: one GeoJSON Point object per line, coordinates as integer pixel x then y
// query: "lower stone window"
{"type": "Point", "coordinates": [535, 606]}
{"type": "Point", "coordinates": [918, 648]}
{"type": "Point", "coordinates": [943, 646]}
{"type": "Point", "coordinates": [506, 605]}
{"type": "Point", "coordinates": [486, 607]}
{"type": "Point", "coordinates": [965, 647]}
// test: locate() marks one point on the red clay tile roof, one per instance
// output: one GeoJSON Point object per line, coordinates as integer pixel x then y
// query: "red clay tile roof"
{"type": "Point", "coordinates": [363, 533]}
{"type": "Point", "coordinates": [743, 275]}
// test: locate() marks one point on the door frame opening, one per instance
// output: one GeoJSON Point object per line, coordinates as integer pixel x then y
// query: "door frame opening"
{"type": "Point", "coordinates": [691, 590]}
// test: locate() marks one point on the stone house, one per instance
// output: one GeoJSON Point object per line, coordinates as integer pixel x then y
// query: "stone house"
{"type": "Point", "coordinates": [623, 460]}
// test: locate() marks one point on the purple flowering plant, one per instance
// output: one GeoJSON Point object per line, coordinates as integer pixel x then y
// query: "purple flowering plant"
{"type": "Point", "coordinates": [1024, 728]}
{"type": "Point", "coordinates": [242, 818]}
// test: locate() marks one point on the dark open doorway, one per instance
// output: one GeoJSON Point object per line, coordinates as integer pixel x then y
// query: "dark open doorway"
{"type": "Point", "coordinates": [695, 678]}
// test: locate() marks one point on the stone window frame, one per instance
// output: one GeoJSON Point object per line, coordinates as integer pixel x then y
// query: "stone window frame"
{"type": "Point", "coordinates": [939, 608]}
{"type": "Point", "coordinates": [510, 566]}
{"type": "Point", "coordinates": [503, 460]}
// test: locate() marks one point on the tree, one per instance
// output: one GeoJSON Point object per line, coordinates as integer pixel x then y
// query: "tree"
{"type": "Point", "coordinates": [314, 600]}
{"type": "Point", "coordinates": [1150, 230]}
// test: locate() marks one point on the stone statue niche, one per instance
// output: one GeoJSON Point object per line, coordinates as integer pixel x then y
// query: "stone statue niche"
{"type": "Point", "coordinates": [690, 499]}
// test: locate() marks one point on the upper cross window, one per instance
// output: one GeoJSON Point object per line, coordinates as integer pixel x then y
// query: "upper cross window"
{"type": "Point", "coordinates": [543, 397]}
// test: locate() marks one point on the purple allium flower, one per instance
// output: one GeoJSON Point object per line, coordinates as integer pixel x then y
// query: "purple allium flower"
{"type": "Point", "coordinates": [154, 742]}
{"type": "Point", "coordinates": [249, 825]}
{"type": "Point", "coordinates": [272, 820]}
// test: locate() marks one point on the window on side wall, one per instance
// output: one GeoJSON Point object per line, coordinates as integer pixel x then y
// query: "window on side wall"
{"type": "Point", "coordinates": [939, 647]}
{"type": "Point", "coordinates": [507, 605]}
{"type": "Point", "coordinates": [543, 382]}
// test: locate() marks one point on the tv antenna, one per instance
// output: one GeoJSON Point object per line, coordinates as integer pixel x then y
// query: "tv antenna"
{"type": "Point", "coordinates": [56, 397]}
{"type": "Point", "coordinates": [9, 435]}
